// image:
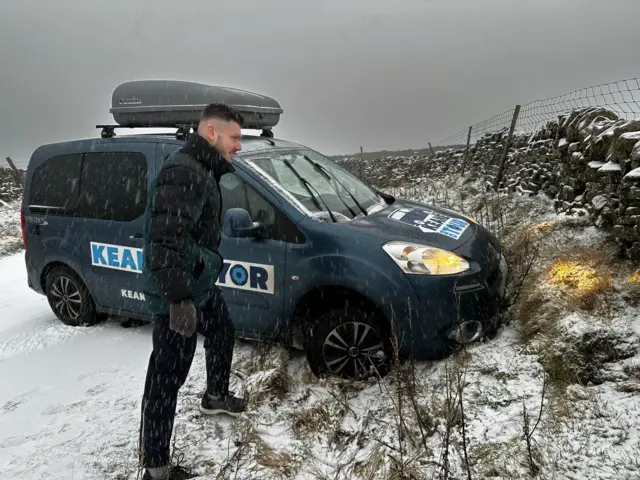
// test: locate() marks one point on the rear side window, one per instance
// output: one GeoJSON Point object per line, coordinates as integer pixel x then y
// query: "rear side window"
{"type": "Point", "coordinates": [55, 183]}
{"type": "Point", "coordinates": [113, 186]}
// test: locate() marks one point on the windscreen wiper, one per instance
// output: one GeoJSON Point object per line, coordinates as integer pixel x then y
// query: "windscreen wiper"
{"type": "Point", "coordinates": [328, 176]}
{"type": "Point", "coordinates": [308, 186]}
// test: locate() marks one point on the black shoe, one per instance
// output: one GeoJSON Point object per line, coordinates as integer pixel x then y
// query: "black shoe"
{"type": "Point", "coordinates": [175, 473]}
{"type": "Point", "coordinates": [212, 405]}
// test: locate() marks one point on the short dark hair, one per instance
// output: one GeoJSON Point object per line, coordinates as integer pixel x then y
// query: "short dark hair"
{"type": "Point", "coordinates": [222, 111]}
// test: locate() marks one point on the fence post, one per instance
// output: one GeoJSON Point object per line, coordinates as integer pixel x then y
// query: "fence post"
{"type": "Point", "coordinates": [361, 163]}
{"type": "Point", "coordinates": [466, 153]}
{"type": "Point", "coordinates": [432, 150]}
{"type": "Point", "coordinates": [557, 139]}
{"type": "Point", "coordinates": [507, 144]}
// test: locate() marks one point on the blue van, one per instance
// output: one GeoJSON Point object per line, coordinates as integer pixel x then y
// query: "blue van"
{"type": "Point", "coordinates": [314, 257]}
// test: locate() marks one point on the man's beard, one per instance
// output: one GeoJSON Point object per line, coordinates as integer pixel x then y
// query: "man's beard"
{"type": "Point", "coordinates": [219, 148]}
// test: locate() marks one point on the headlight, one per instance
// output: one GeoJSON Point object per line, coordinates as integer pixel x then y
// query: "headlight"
{"type": "Point", "coordinates": [424, 260]}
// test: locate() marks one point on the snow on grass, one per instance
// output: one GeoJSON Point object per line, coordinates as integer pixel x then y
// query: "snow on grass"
{"type": "Point", "coordinates": [10, 234]}
{"type": "Point", "coordinates": [555, 392]}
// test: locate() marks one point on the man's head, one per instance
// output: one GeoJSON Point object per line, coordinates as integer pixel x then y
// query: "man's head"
{"type": "Point", "coordinates": [220, 125]}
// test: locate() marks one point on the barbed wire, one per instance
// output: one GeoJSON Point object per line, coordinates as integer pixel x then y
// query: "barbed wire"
{"type": "Point", "coordinates": [621, 97]}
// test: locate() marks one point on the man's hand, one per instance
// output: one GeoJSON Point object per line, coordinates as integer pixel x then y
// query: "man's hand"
{"type": "Point", "coordinates": [183, 317]}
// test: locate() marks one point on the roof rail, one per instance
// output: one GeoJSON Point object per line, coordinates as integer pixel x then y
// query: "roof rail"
{"type": "Point", "coordinates": [108, 131]}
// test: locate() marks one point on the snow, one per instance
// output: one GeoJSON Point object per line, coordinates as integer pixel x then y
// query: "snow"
{"type": "Point", "coordinates": [610, 167]}
{"type": "Point", "coordinates": [633, 174]}
{"type": "Point", "coordinates": [70, 397]}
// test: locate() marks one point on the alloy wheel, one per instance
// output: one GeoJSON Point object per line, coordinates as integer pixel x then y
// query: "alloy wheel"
{"type": "Point", "coordinates": [353, 349]}
{"type": "Point", "coordinates": [66, 297]}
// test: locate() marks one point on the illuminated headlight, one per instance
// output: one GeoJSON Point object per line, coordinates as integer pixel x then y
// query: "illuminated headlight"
{"type": "Point", "coordinates": [424, 260]}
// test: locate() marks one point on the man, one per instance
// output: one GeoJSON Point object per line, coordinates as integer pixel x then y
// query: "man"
{"type": "Point", "coordinates": [181, 266]}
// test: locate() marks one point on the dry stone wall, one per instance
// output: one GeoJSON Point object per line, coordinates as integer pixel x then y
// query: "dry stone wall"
{"type": "Point", "coordinates": [588, 161]}
{"type": "Point", "coordinates": [10, 190]}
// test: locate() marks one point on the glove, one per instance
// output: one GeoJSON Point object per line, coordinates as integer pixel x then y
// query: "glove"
{"type": "Point", "coordinates": [183, 317]}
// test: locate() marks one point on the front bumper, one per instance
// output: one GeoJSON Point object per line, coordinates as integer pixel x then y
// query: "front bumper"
{"type": "Point", "coordinates": [475, 297]}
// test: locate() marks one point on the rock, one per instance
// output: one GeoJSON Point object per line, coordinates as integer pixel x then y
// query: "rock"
{"type": "Point", "coordinates": [599, 202]}
{"type": "Point", "coordinates": [608, 214]}
{"type": "Point", "coordinates": [623, 145]}
{"type": "Point", "coordinates": [633, 175]}
{"type": "Point", "coordinates": [573, 182]}
{"type": "Point", "coordinates": [626, 220]}
{"type": "Point", "coordinates": [610, 166]}
{"type": "Point", "coordinates": [568, 193]}
{"type": "Point", "coordinates": [634, 251]}
{"type": "Point", "coordinates": [632, 211]}
{"type": "Point", "coordinates": [635, 153]}
{"type": "Point", "coordinates": [634, 193]}
{"type": "Point", "coordinates": [582, 126]}
{"type": "Point", "coordinates": [624, 233]}
{"type": "Point", "coordinates": [563, 146]}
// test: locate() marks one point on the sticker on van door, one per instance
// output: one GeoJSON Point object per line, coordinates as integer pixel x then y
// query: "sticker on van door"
{"type": "Point", "coordinates": [117, 257]}
{"type": "Point", "coordinates": [254, 277]}
{"type": "Point", "coordinates": [430, 221]}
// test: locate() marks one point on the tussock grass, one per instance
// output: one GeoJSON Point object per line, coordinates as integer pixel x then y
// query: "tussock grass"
{"type": "Point", "coordinates": [281, 464]}
{"type": "Point", "coordinates": [320, 417]}
{"type": "Point", "coordinates": [269, 376]}
{"type": "Point", "coordinates": [585, 277]}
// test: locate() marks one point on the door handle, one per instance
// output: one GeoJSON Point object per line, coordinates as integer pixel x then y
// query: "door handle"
{"type": "Point", "coordinates": [136, 236]}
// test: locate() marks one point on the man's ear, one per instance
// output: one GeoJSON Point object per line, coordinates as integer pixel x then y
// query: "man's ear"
{"type": "Point", "coordinates": [213, 132]}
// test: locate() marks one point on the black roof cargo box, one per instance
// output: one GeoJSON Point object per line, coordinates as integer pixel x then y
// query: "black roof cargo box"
{"type": "Point", "coordinates": [173, 103]}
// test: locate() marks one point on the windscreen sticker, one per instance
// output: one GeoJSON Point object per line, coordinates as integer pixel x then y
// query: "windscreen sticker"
{"type": "Point", "coordinates": [431, 222]}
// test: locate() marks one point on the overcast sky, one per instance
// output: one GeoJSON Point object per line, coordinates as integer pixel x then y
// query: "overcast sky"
{"type": "Point", "coordinates": [378, 73]}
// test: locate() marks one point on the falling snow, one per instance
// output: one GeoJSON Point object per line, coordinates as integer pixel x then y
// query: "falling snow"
{"type": "Point", "coordinates": [70, 402]}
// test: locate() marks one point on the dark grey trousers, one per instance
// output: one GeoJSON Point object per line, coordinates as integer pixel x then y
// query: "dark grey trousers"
{"type": "Point", "coordinates": [168, 369]}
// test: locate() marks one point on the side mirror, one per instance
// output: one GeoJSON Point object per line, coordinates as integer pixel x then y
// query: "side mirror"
{"type": "Point", "coordinates": [238, 224]}
{"type": "Point", "coordinates": [387, 198]}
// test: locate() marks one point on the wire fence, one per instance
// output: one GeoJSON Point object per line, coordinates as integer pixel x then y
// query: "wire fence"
{"type": "Point", "coordinates": [621, 97]}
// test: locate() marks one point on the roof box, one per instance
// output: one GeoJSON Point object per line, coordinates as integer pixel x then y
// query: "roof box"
{"type": "Point", "coordinates": [174, 103]}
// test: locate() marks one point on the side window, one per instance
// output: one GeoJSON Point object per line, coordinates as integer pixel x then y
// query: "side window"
{"type": "Point", "coordinates": [55, 183]}
{"type": "Point", "coordinates": [236, 193]}
{"type": "Point", "coordinates": [260, 209]}
{"type": "Point", "coordinates": [233, 193]}
{"type": "Point", "coordinates": [113, 186]}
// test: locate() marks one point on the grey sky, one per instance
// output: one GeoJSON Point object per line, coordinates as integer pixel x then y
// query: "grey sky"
{"type": "Point", "coordinates": [347, 72]}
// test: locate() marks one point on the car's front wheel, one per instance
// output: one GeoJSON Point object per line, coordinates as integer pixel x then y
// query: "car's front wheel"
{"type": "Point", "coordinates": [348, 342]}
{"type": "Point", "coordinates": [69, 298]}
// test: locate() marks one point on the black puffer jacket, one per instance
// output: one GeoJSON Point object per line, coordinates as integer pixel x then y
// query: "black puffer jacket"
{"type": "Point", "coordinates": [182, 232]}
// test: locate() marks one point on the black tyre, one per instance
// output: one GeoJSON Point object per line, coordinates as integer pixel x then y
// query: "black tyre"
{"type": "Point", "coordinates": [69, 298]}
{"type": "Point", "coordinates": [348, 342]}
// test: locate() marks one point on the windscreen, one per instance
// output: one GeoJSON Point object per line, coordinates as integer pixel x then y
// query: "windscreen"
{"type": "Point", "coordinates": [318, 183]}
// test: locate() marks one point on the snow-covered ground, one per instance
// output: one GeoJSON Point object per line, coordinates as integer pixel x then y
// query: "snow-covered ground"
{"type": "Point", "coordinates": [70, 397]}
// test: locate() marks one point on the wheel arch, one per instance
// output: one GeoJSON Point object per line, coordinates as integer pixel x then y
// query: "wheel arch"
{"type": "Point", "coordinates": [323, 298]}
{"type": "Point", "coordinates": [54, 264]}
